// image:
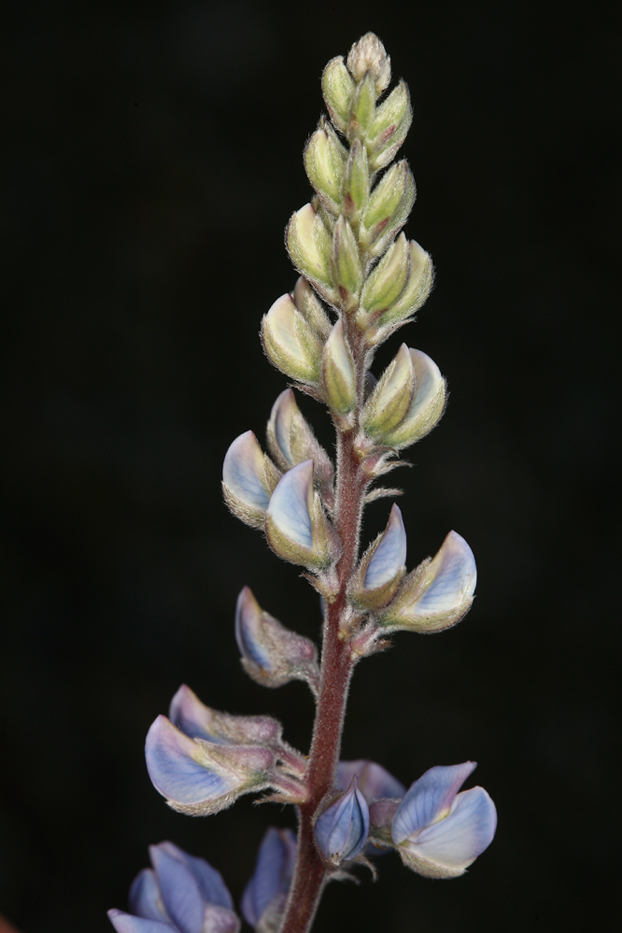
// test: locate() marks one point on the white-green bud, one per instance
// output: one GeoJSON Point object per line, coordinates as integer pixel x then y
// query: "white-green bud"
{"type": "Point", "coordinates": [387, 281]}
{"type": "Point", "coordinates": [292, 441]}
{"type": "Point", "coordinates": [426, 407]}
{"type": "Point", "coordinates": [391, 124]}
{"type": "Point", "coordinates": [369, 54]}
{"type": "Point", "coordinates": [324, 160]}
{"type": "Point", "coordinates": [389, 205]}
{"type": "Point", "coordinates": [355, 191]}
{"type": "Point", "coordinates": [338, 372]}
{"type": "Point", "coordinates": [290, 344]}
{"type": "Point", "coordinates": [382, 566]}
{"type": "Point", "coordinates": [311, 308]}
{"type": "Point", "coordinates": [309, 245]}
{"type": "Point", "coordinates": [418, 287]}
{"type": "Point", "coordinates": [389, 402]}
{"type": "Point", "coordinates": [338, 88]}
{"type": "Point", "coordinates": [363, 109]}
{"type": "Point", "coordinates": [347, 273]}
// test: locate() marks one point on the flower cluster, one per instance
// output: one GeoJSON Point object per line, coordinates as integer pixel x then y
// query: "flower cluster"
{"type": "Point", "coordinates": [360, 280]}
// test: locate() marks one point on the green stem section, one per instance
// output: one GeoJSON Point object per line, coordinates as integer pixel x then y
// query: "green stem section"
{"type": "Point", "coordinates": [311, 873]}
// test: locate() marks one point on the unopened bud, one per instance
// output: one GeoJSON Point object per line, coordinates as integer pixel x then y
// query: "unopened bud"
{"type": "Point", "coordinates": [369, 54]}
{"type": "Point", "coordinates": [389, 205]}
{"type": "Point", "coordinates": [426, 407]}
{"type": "Point", "coordinates": [309, 245]}
{"type": "Point", "coordinates": [296, 526]}
{"type": "Point", "coordinates": [438, 593]}
{"type": "Point", "coordinates": [290, 344]}
{"type": "Point", "coordinates": [363, 109]}
{"type": "Point", "coordinates": [291, 439]}
{"type": "Point", "coordinates": [338, 372]}
{"type": "Point", "coordinates": [347, 273]}
{"type": "Point", "coordinates": [391, 124]}
{"type": "Point", "coordinates": [418, 286]}
{"type": "Point", "coordinates": [355, 193]}
{"type": "Point", "coordinates": [382, 566]}
{"type": "Point", "coordinates": [309, 305]}
{"type": "Point", "coordinates": [341, 830]}
{"type": "Point", "coordinates": [389, 402]}
{"type": "Point", "coordinates": [338, 88]}
{"type": "Point", "coordinates": [248, 479]}
{"type": "Point", "coordinates": [386, 283]}
{"type": "Point", "coordinates": [271, 654]}
{"type": "Point", "coordinates": [324, 160]}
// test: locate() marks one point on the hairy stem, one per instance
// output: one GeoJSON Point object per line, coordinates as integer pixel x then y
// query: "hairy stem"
{"type": "Point", "coordinates": [311, 873]}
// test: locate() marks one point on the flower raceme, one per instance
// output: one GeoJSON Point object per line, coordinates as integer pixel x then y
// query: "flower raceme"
{"type": "Point", "coordinates": [180, 894]}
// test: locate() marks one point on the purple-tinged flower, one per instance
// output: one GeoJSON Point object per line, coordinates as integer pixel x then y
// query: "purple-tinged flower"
{"type": "Point", "coordinates": [248, 478]}
{"type": "Point", "coordinates": [438, 593]}
{"type": "Point", "coordinates": [439, 832]}
{"type": "Point", "coordinates": [200, 722]}
{"type": "Point", "coordinates": [382, 566]}
{"type": "Point", "coordinates": [296, 526]}
{"type": "Point", "coordinates": [180, 894]}
{"type": "Point", "coordinates": [201, 777]}
{"type": "Point", "coordinates": [271, 654]}
{"type": "Point", "coordinates": [265, 895]}
{"type": "Point", "coordinates": [341, 830]}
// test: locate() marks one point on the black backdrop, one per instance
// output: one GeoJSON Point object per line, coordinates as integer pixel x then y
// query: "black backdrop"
{"type": "Point", "coordinates": [152, 159]}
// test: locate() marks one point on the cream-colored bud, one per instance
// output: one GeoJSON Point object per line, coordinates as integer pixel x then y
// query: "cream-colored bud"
{"type": "Point", "coordinates": [389, 205]}
{"type": "Point", "coordinates": [387, 281]}
{"type": "Point", "coordinates": [338, 88]}
{"type": "Point", "coordinates": [389, 402]}
{"type": "Point", "coordinates": [369, 54]}
{"type": "Point", "coordinates": [324, 160]}
{"type": "Point", "coordinates": [309, 246]}
{"type": "Point", "coordinates": [363, 109]}
{"type": "Point", "coordinates": [338, 372]}
{"type": "Point", "coordinates": [311, 308]}
{"type": "Point", "coordinates": [426, 407]}
{"type": "Point", "coordinates": [289, 342]}
{"type": "Point", "coordinates": [391, 124]}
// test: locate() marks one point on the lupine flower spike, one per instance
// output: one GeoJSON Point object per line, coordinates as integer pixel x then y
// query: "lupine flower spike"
{"type": "Point", "coordinates": [359, 280]}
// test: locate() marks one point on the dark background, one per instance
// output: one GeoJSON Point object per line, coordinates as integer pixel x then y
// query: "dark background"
{"type": "Point", "coordinates": [152, 159]}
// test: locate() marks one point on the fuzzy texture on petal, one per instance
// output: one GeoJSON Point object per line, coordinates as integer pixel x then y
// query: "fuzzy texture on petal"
{"type": "Point", "coordinates": [289, 505]}
{"type": "Point", "coordinates": [390, 555]}
{"type": "Point", "coordinates": [200, 722]}
{"type": "Point", "coordinates": [273, 873]}
{"type": "Point", "coordinates": [438, 831]}
{"type": "Point", "coordinates": [242, 471]}
{"type": "Point", "coordinates": [341, 830]}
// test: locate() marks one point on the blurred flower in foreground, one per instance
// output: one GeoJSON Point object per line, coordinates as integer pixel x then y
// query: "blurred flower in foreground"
{"type": "Point", "coordinates": [180, 894]}
{"type": "Point", "coordinates": [265, 895]}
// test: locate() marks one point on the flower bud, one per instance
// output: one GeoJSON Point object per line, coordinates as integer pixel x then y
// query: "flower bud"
{"type": "Point", "coordinates": [309, 246]}
{"type": "Point", "coordinates": [388, 208]}
{"type": "Point", "coordinates": [338, 372]}
{"type": "Point", "coordinates": [200, 722]}
{"type": "Point", "coordinates": [338, 88]}
{"type": "Point", "coordinates": [355, 189]}
{"type": "Point", "coordinates": [296, 527]}
{"type": "Point", "coordinates": [200, 777]}
{"type": "Point", "coordinates": [439, 832]}
{"type": "Point", "coordinates": [438, 593]}
{"type": "Point", "coordinates": [382, 566]}
{"type": "Point", "coordinates": [248, 479]}
{"type": "Point", "coordinates": [389, 402]}
{"type": "Point", "coordinates": [391, 124]}
{"type": "Point", "coordinates": [341, 830]}
{"type": "Point", "coordinates": [347, 273]}
{"type": "Point", "coordinates": [418, 286]}
{"type": "Point", "coordinates": [291, 440]}
{"type": "Point", "coordinates": [426, 407]}
{"type": "Point", "coordinates": [309, 305]}
{"type": "Point", "coordinates": [363, 109]}
{"type": "Point", "coordinates": [387, 281]}
{"type": "Point", "coordinates": [369, 54]}
{"type": "Point", "coordinates": [290, 344]}
{"type": "Point", "coordinates": [324, 160]}
{"type": "Point", "coordinates": [271, 654]}
{"type": "Point", "coordinates": [265, 894]}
